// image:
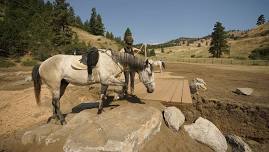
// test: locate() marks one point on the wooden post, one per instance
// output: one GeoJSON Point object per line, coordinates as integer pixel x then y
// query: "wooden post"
{"type": "Point", "coordinates": [145, 50]}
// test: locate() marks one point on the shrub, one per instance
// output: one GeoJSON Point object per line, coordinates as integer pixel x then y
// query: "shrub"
{"type": "Point", "coordinates": [240, 57]}
{"type": "Point", "coordinates": [29, 62]}
{"type": "Point", "coordinates": [193, 56]}
{"type": "Point", "coordinates": [260, 53]}
{"type": "Point", "coordinates": [162, 50]}
{"type": "Point", "coordinates": [6, 63]}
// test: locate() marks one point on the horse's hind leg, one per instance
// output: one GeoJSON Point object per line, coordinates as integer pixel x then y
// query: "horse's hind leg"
{"type": "Point", "coordinates": [64, 84]}
{"type": "Point", "coordinates": [56, 107]}
{"type": "Point", "coordinates": [102, 98]}
{"type": "Point", "coordinates": [56, 95]}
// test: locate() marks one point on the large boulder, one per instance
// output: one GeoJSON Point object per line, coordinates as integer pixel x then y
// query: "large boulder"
{"type": "Point", "coordinates": [244, 91]}
{"type": "Point", "coordinates": [206, 132]}
{"type": "Point", "coordinates": [237, 144]}
{"type": "Point", "coordinates": [125, 128]}
{"type": "Point", "coordinates": [173, 117]}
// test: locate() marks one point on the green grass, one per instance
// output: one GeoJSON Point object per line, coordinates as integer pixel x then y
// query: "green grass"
{"type": "Point", "coordinates": [4, 63]}
{"type": "Point", "coordinates": [29, 62]}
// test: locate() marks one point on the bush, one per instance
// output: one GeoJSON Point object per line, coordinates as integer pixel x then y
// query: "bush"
{"type": "Point", "coordinates": [162, 50]}
{"type": "Point", "coordinates": [193, 56]}
{"type": "Point", "coordinates": [240, 57]}
{"type": "Point", "coordinates": [260, 54]}
{"type": "Point", "coordinates": [6, 63]}
{"type": "Point", "coordinates": [29, 62]}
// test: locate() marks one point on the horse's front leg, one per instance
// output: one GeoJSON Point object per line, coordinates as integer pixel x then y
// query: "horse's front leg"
{"type": "Point", "coordinates": [116, 82]}
{"type": "Point", "coordinates": [102, 97]}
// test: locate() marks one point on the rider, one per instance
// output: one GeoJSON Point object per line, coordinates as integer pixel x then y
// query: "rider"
{"type": "Point", "coordinates": [127, 72]}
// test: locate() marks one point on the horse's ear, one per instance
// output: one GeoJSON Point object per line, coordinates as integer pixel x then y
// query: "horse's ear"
{"type": "Point", "coordinates": [147, 61]}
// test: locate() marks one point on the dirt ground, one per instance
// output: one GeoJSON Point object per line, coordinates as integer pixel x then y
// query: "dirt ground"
{"type": "Point", "coordinates": [18, 111]}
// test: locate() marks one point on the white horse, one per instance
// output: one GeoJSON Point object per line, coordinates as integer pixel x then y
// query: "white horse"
{"type": "Point", "coordinates": [57, 72]}
{"type": "Point", "coordinates": [159, 63]}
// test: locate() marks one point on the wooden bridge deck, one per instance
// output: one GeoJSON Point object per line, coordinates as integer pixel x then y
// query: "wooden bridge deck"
{"type": "Point", "coordinates": [172, 90]}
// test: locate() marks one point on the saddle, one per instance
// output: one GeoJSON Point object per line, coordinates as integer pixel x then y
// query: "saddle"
{"type": "Point", "coordinates": [80, 62]}
{"type": "Point", "coordinates": [86, 61]}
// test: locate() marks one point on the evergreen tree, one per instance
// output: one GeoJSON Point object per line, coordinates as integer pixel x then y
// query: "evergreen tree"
{"type": "Point", "coordinates": [95, 26]}
{"type": "Point", "coordinates": [260, 20]}
{"type": "Point", "coordinates": [127, 33]}
{"type": "Point", "coordinates": [218, 44]}
{"type": "Point", "coordinates": [92, 22]}
{"type": "Point", "coordinates": [86, 26]}
{"type": "Point", "coordinates": [60, 23]}
{"type": "Point", "coordinates": [112, 36]}
{"type": "Point", "coordinates": [107, 35]}
{"type": "Point", "coordinates": [99, 28]}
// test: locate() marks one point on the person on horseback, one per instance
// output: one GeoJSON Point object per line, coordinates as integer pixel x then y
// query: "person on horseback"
{"type": "Point", "coordinates": [128, 74]}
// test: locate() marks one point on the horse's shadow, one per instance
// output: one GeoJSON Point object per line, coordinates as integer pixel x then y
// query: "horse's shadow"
{"type": "Point", "coordinates": [134, 99]}
{"type": "Point", "coordinates": [91, 105]}
{"type": "Point", "coordinates": [106, 103]}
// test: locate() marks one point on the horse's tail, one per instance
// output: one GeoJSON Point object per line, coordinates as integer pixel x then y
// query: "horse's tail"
{"type": "Point", "coordinates": [37, 82]}
{"type": "Point", "coordinates": [163, 64]}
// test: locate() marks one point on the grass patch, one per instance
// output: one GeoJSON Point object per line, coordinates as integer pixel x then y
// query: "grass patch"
{"type": "Point", "coordinates": [240, 57]}
{"type": "Point", "coordinates": [260, 54]}
{"type": "Point", "coordinates": [6, 63]}
{"type": "Point", "coordinates": [29, 62]}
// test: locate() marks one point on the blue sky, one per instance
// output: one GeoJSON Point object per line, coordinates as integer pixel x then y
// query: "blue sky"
{"type": "Point", "coordinates": [155, 21]}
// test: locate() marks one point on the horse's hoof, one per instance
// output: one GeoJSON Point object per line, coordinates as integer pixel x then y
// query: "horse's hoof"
{"type": "Point", "coordinates": [100, 111]}
{"type": "Point", "coordinates": [53, 117]}
{"type": "Point", "coordinates": [63, 122]}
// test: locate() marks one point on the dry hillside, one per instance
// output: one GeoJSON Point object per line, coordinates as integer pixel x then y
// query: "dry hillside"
{"type": "Point", "coordinates": [241, 45]}
{"type": "Point", "coordinates": [95, 41]}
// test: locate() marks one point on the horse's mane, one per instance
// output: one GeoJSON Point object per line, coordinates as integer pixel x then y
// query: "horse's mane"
{"type": "Point", "coordinates": [134, 62]}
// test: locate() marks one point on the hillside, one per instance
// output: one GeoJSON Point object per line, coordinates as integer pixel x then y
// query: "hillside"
{"type": "Point", "coordinates": [95, 41]}
{"type": "Point", "coordinates": [241, 44]}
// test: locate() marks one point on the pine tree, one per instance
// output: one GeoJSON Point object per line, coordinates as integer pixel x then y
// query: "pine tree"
{"type": "Point", "coordinates": [127, 33]}
{"type": "Point", "coordinates": [107, 35]}
{"type": "Point", "coordinates": [60, 17]}
{"type": "Point", "coordinates": [112, 36]}
{"type": "Point", "coordinates": [95, 26]}
{"type": "Point", "coordinates": [86, 26]}
{"type": "Point", "coordinates": [99, 28]}
{"type": "Point", "coordinates": [92, 22]}
{"type": "Point", "coordinates": [260, 20]}
{"type": "Point", "coordinates": [218, 44]}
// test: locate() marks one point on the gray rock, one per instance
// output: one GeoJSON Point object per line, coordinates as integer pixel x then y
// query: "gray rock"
{"type": "Point", "coordinates": [206, 132]}
{"type": "Point", "coordinates": [28, 79]}
{"type": "Point", "coordinates": [173, 117]}
{"type": "Point", "coordinates": [125, 129]}
{"type": "Point", "coordinates": [237, 144]}
{"type": "Point", "coordinates": [244, 91]}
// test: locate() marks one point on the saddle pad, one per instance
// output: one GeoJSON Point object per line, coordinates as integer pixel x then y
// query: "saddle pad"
{"type": "Point", "coordinates": [77, 64]}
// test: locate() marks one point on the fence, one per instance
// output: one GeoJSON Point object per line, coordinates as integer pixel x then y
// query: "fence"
{"type": "Point", "coordinates": [223, 61]}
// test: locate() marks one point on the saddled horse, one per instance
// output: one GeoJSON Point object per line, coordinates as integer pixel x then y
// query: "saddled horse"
{"type": "Point", "coordinates": [57, 72]}
{"type": "Point", "coordinates": [160, 64]}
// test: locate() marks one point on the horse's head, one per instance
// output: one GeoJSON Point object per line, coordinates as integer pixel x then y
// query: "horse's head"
{"type": "Point", "coordinates": [146, 76]}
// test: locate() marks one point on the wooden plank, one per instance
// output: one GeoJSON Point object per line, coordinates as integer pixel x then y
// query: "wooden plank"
{"type": "Point", "coordinates": [140, 90]}
{"type": "Point", "coordinates": [186, 94]}
{"type": "Point", "coordinates": [177, 96]}
{"type": "Point", "coordinates": [164, 90]}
